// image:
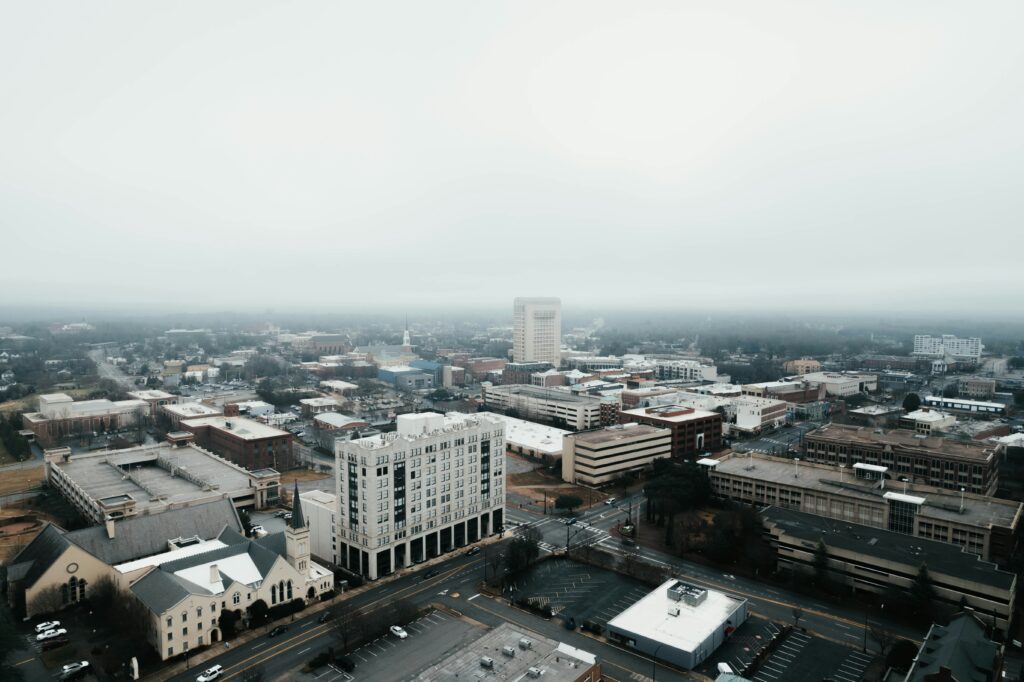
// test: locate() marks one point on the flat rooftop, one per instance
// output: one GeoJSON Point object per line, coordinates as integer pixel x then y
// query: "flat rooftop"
{"type": "Point", "coordinates": [557, 662]}
{"type": "Point", "coordinates": [246, 429]}
{"type": "Point", "coordinates": [539, 437]}
{"type": "Point", "coordinates": [540, 393]}
{"type": "Point", "coordinates": [927, 416]}
{"type": "Point", "coordinates": [941, 557]}
{"type": "Point", "coordinates": [191, 410]}
{"type": "Point", "coordinates": [978, 510]}
{"type": "Point", "coordinates": [967, 404]}
{"type": "Point", "coordinates": [151, 395]}
{"type": "Point", "coordinates": [842, 433]}
{"type": "Point", "coordinates": [665, 413]}
{"type": "Point", "coordinates": [650, 617]}
{"type": "Point", "coordinates": [872, 410]}
{"type": "Point", "coordinates": [610, 434]}
{"type": "Point", "coordinates": [162, 469]}
{"type": "Point", "coordinates": [319, 402]}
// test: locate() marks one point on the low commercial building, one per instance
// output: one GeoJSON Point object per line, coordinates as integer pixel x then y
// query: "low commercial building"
{"type": "Point", "coordinates": [679, 623]}
{"type": "Point", "coordinates": [321, 511]}
{"type": "Point", "coordinates": [802, 366]}
{"type": "Point", "coordinates": [254, 408]}
{"type": "Point", "coordinates": [72, 562]}
{"type": "Point", "coordinates": [558, 407]}
{"type": "Point", "coordinates": [338, 386]}
{"type": "Point", "coordinates": [982, 388]}
{"type": "Point", "coordinates": [927, 421]}
{"type": "Point", "coordinates": [155, 399]}
{"type": "Point", "coordinates": [520, 372]}
{"type": "Point", "coordinates": [976, 408]}
{"type": "Point", "coordinates": [452, 376]}
{"type": "Point", "coordinates": [751, 415]}
{"type": "Point", "coordinates": [330, 426]}
{"type": "Point", "coordinates": [59, 417]}
{"type": "Point", "coordinates": [866, 494]}
{"type": "Point", "coordinates": [245, 442]}
{"type": "Point", "coordinates": [170, 416]}
{"type": "Point", "coordinates": [932, 460]}
{"type": "Point", "coordinates": [603, 455]}
{"type": "Point", "coordinates": [687, 370]}
{"type": "Point", "coordinates": [790, 391]}
{"type": "Point", "coordinates": [693, 431]}
{"type": "Point", "coordinates": [314, 406]}
{"type": "Point", "coordinates": [150, 479]}
{"type": "Point", "coordinates": [405, 377]}
{"type": "Point", "coordinates": [843, 384]}
{"type": "Point", "coordinates": [875, 560]}
{"type": "Point", "coordinates": [882, 416]}
{"type": "Point", "coordinates": [509, 652]}
{"type": "Point", "coordinates": [531, 439]}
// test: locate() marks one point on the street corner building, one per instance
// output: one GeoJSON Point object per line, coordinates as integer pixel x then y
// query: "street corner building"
{"type": "Point", "coordinates": [436, 483]}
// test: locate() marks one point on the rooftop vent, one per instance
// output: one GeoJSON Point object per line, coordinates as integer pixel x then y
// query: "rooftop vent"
{"type": "Point", "coordinates": [688, 594]}
{"type": "Point", "coordinates": [534, 672]}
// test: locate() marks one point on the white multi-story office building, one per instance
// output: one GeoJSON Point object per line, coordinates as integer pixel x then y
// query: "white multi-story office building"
{"type": "Point", "coordinates": [948, 345]}
{"type": "Point", "coordinates": [435, 484]}
{"type": "Point", "coordinates": [687, 370]}
{"type": "Point", "coordinates": [537, 330]}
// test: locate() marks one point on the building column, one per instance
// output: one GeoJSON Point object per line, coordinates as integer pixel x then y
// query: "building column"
{"type": "Point", "coordinates": [371, 570]}
{"type": "Point", "coordinates": [407, 561]}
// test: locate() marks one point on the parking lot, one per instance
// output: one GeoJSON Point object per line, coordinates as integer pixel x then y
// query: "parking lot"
{"type": "Point", "coordinates": [803, 657]}
{"type": "Point", "coordinates": [581, 591]}
{"type": "Point", "coordinates": [778, 442]}
{"type": "Point", "coordinates": [431, 638]}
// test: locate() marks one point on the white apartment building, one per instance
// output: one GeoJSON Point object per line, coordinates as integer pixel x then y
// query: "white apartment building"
{"type": "Point", "coordinates": [843, 384]}
{"type": "Point", "coordinates": [537, 330]}
{"type": "Point", "coordinates": [687, 370]}
{"type": "Point", "coordinates": [320, 509]}
{"type": "Point", "coordinates": [948, 345]}
{"type": "Point", "coordinates": [435, 484]}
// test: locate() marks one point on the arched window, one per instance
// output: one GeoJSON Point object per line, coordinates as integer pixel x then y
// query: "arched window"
{"type": "Point", "coordinates": [81, 589]}
{"type": "Point", "coordinates": [273, 594]}
{"type": "Point", "coordinates": [236, 598]}
{"type": "Point", "coordinates": [289, 590]}
{"type": "Point", "coordinates": [280, 589]}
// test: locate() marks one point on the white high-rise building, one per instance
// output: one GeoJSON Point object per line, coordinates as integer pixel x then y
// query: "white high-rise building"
{"type": "Point", "coordinates": [435, 484]}
{"type": "Point", "coordinates": [537, 330]}
{"type": "Point", "coordinates": [949, 346]}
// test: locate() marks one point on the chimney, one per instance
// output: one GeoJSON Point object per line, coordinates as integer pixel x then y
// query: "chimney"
{"type": "Point", "coordinates": [109, 523]}
{"type": "Point", "coordinates": [214, 574]}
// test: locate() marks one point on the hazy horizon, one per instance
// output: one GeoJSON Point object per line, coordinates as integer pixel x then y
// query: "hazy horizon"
{"type": "Point", "coordinates": [828, 158]}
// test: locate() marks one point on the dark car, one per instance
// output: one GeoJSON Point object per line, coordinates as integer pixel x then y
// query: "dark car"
{"type": "Point", "coordinates": [324, 617]}
{"type": "Point", "coordinates": [432, 573]}
{"type": "Point", "coordinates": [278, 630]}
{"type": "Point", "coordinates": [473, 552]}
{"type": "Point", "coordinates": [345, 663]}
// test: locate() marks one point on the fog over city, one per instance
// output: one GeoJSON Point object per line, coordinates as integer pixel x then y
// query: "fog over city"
{"type": "Point", "coordinates": [842, 157]}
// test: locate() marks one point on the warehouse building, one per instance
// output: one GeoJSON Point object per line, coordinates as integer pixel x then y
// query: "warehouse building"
{"type": "Point", "coordinates": [679, 623]}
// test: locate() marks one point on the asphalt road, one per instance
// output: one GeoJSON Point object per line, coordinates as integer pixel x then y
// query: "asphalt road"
{"type": "Point", "coordinates": [109, 371]}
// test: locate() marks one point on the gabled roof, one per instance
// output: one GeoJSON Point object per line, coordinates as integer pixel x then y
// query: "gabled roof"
{"type": "Point", "coordinates": [38, 555]}
{"type": "Point", "coordinates": [142, 536]}
{"type": "Point", "coordinates": [961, 647]}
{"type": "Point", "coordinates": [160, 591]}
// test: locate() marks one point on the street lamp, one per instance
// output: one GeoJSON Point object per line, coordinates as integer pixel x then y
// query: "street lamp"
{"type": "Point", "coordinates": [654, 662]}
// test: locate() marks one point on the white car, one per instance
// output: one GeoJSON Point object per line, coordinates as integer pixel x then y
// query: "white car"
{"type": "Point", "coordinates": [258, 531]}
{"type": "Point", "coordinates": [399, 632]}
{"type": "Point", "coordinates": [210, 674]}
{"type": "Point", "coordinates": [51, 634]}
{"type": "Point", "coordinates": [610, 500]}
{"type": "Point", "coordinates": [74, 667]}
{"type": "Point", "coordinates": [51, 625]}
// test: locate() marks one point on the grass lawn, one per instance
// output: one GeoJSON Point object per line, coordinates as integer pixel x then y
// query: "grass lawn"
{"type": "Point", "coordinates": [17, 480]}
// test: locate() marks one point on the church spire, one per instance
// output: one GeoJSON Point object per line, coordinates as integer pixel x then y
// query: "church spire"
{"type": "Point", "coordinates": [297, 522]}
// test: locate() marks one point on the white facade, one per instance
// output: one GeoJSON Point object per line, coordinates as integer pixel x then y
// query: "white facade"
{"type": "Point", "coordinates": [687, 370]}
{"type": "Point", "coordinates": [546, 404]}
{"type": "Point", "coordinates": [603, 455]}
{"type": "Point", "coordinates": [948, 345]}
{"type": "Point", "coordinates": [537, 330]}
{"type": "Point", "coordinates": [841, 384]}
{"type": "Point", "coordinates": [320, 510]}
{"type": "Point", "coordinates": [435, 484]}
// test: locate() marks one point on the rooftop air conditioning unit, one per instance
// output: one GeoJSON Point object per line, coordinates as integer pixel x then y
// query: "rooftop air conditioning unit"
{"type": "Point", "coordinates": [673, 610]}
{"type": "Point", "coordinates": [509, 651]}
{"type": "Point", "coordinates": [534, 672]}
{"type": "Point", "coordinates": [525, 643]}
{"type": "Point", "coordinates": [487, 662]}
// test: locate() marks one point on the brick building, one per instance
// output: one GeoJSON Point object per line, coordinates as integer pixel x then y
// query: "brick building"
{"type": "Point", "coordinates": [245, 442]}
{"type": "Point", "coordinates": [693, 431]}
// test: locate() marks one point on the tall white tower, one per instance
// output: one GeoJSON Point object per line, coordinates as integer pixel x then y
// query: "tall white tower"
{"type": "Point", "coordinates": [537, 330]}
{"type": "Point", "coordinates": [296, 537]}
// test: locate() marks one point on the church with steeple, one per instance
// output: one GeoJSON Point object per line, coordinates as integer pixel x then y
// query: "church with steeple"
{"type": "Point", "coordinates": [296, 536]}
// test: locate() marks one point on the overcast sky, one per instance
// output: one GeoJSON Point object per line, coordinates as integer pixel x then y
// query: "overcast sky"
{"type": "Point", "coordinates": [715, 154]}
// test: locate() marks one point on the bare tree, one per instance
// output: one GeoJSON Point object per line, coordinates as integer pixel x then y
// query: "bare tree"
{"type": "Point", "coordinates": [884, 637]}
{"type": "Point", "coordinates": [48, 600]}
{"type": "Point", "coordinates": [254, 674]}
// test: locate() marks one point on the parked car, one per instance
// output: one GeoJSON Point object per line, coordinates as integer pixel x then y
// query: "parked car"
{"type": "Point", "coordinates": [278, 630]}
{"type": "Point", "coordinates": [51, 634]}
{"type": "Point", "coordinates": [325, 616]}
{"type": "Point", "coordinates": [74, 670]}
{"type": "Point", "coordinates": [473, 552]}
{"type": "Point", "coordinates": [432, 573]}
{"type": "Point", "coordinates": [399, 632]}
{"type": "Point", "coordinates": [49, 625]}
{"type": "Point", "coordinates": [610, 500]}
{"type": "Point", "coordinates": [258, 531]}
{"type": "Point", "coordinates": [571, 522]}
{"type": "Point", "coordinates": [211, 673]}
